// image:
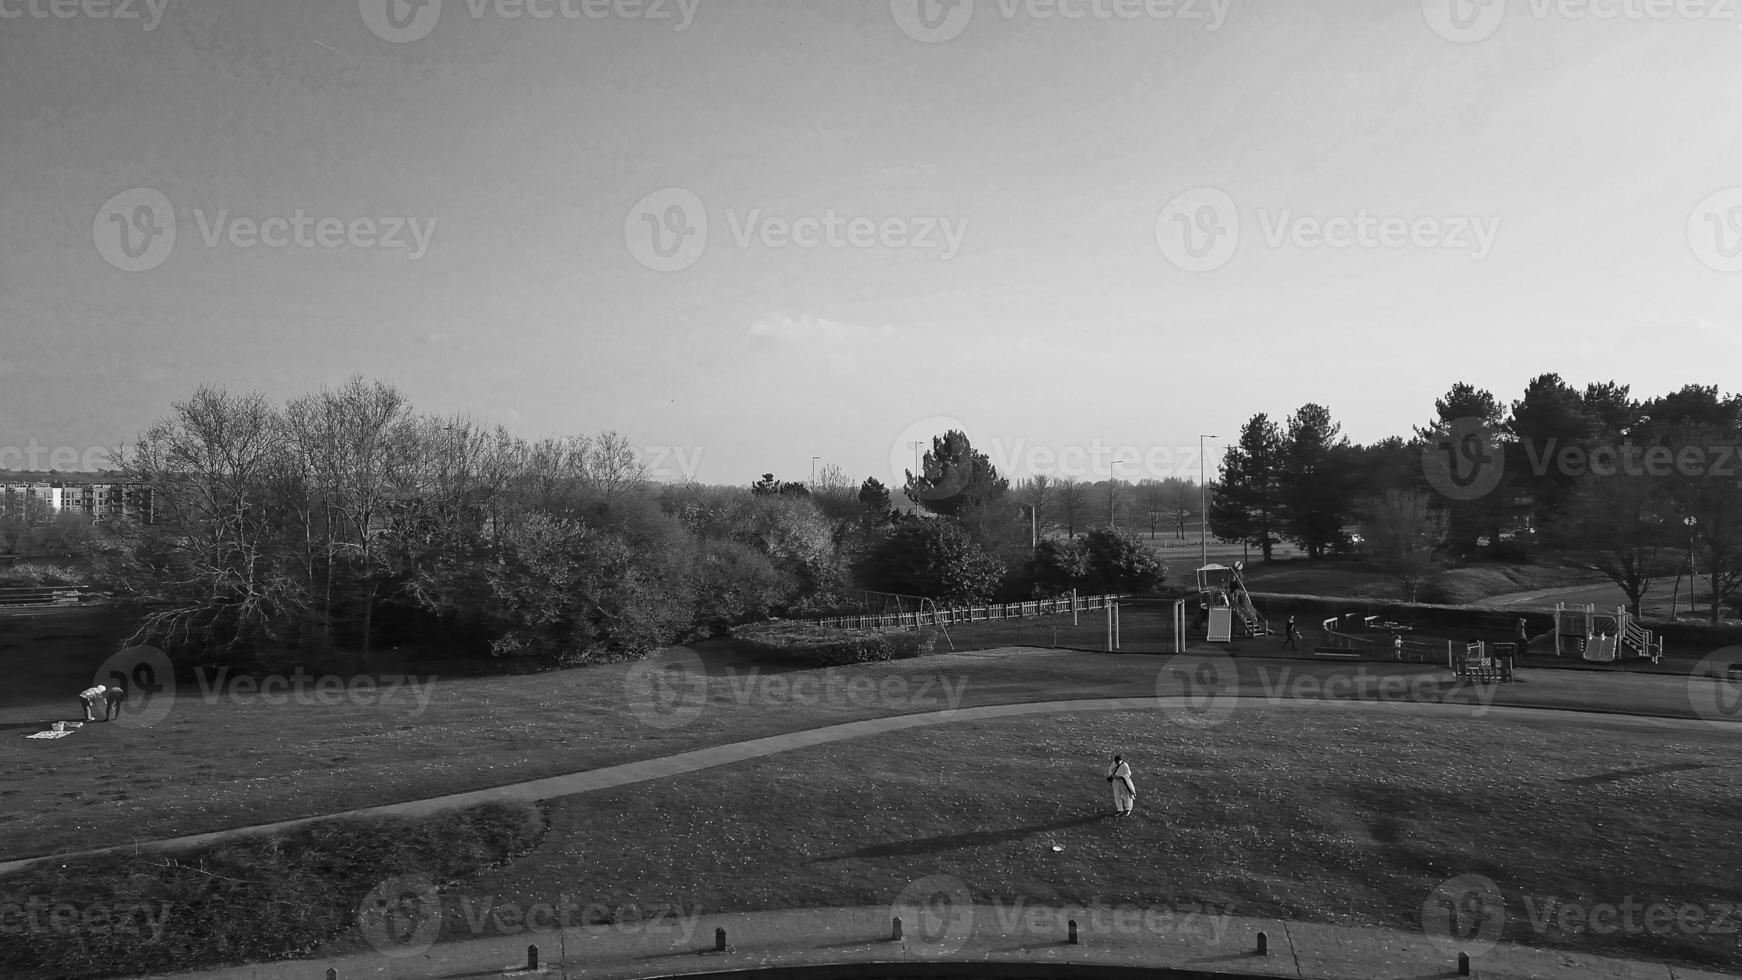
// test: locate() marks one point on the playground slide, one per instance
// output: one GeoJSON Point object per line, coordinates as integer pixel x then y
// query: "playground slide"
{"type": "Point", "coordinates": [1601, 649]}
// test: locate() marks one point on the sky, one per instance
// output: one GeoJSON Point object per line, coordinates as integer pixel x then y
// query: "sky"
{"type": "Point", "coordinates": [770, 236]}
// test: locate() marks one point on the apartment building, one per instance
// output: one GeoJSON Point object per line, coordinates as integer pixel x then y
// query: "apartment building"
{"type": "Point", "coordinates": [40, 500]}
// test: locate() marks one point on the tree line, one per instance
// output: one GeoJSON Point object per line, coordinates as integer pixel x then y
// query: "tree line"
{"type": "Point", "coordinates": [1635, 489]}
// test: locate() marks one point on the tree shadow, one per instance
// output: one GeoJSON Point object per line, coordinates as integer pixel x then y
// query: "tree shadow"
{"type": "Point", "coordinates": [949, 842]}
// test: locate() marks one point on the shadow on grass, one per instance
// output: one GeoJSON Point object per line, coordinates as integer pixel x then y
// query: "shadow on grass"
{"type": "Point", "coordinates": [1623, 774]}
{"type": "Point", "coordinates": [949, 842]}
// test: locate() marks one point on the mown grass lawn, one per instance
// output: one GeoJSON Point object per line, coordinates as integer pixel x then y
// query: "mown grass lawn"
{"type": "Point", "coordinates": [220, 762]}
{"type": "Point", "coordinates": [1326, 817]}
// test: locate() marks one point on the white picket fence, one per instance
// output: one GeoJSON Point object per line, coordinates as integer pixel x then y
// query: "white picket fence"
{"type": "Point", "coordinates": [947, 616]}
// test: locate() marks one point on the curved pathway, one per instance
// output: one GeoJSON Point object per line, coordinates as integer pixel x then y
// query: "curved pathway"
{"type": "Point", "coordinates": [1199, 712]}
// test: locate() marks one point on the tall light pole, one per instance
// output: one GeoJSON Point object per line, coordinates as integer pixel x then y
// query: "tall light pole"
{"type": "Point", "coordinates": [1112, 487]}
{"type": "Point", "coordinates": [1204, 499]}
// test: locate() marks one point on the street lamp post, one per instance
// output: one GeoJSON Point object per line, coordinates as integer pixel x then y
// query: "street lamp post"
{"type": "Point", "coordinates": [1203, 499]}
{"type": "Point", "coordinates": [1112, 487]}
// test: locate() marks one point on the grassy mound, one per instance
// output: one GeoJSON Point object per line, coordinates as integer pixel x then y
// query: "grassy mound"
{"type": "Point", "coordinates": [253, 900]}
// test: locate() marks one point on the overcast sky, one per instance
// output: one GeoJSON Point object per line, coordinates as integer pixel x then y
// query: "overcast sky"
{"type": "Point", "coordinates": [749, 233]}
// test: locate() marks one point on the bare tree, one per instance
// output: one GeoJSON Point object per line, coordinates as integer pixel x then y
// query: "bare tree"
{"type": "Point", "coordinates": [1184, 502]}
{"type": "Point", "coordinates": [1040, 494]}
{"type": "Point", "coordinates": [1072, 503]}
{"type": "Point", "coordinates": [1152, 496]}
{"type": "Point", "coordinates": [358, 443]}
{"type": "Point", "coordinates": [207, 571]}
{"type": "Point", "coordinates": [1405, 535]}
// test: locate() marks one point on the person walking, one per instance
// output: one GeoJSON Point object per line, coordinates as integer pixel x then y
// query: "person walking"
{"type": "Point", "coordinates": [1523, 638]}
{"type": "Point", "coordinates": [88, 699]}
{"type": "Point", "coordinates": [1290, 635]}
{"type": "Point", "coordinates": [1124, 792]}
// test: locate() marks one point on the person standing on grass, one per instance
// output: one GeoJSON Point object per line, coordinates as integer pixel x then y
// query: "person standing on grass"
{"type": "Point", "coordinates": [1523, 638]}
{"type": "Point", "coordinates": [1124, 791]}
{"type": "Point", "coordinates": [1397, 647]}
{"type": "Point", "coordinates": [88, 699]}
{"type": "Point", "coordinates": [1290, 635]}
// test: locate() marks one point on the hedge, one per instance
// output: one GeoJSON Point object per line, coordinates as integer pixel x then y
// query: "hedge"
{"type": "Point", "coordinates": [808, 645]}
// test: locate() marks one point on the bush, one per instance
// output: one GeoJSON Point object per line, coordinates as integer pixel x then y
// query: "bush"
{"type": "Point", "coordinates": [805, 645]}
{"type": "Point", "coordinates": [269, 898]}
{"type": "Point", "coordinates": [34, 575]}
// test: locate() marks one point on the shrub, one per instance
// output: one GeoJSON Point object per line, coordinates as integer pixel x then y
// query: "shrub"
{"type": "Point", "coordinates": [806, 645]}
{"type": "Point", "coordinates": [268, 898]}
{"type": "Point", "coordinates": [35, 575]}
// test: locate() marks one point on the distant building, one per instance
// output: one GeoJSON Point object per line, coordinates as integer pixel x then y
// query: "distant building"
{"type": "Point", "coordinates": [41, 499]}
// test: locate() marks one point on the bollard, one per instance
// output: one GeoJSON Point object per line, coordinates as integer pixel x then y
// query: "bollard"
{"type": "Point", "coordinates": [895, 929]}
{"type": "Point", "coordinates": [1463, 964]}
{"type": "Point", "coordinates": [720, 940]}
{"type": "Point", "coordinates": [532, 959]}
{"type": "Point", "coordinates": [1073, 939]}
{"type": "Point", "coordinates": [1263, 945]}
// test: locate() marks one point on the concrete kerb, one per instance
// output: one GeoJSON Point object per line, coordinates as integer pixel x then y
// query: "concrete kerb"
{"type": "Point", "coordinates": [825, 944]}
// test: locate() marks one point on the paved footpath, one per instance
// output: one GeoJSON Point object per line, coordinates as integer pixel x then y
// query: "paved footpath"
{"type": "Point", "coordinates": [1033, 938]}
{"type": "Point", "coordinates": [723, 755]}
{"type": "Point", "coordinates": [1000, 939]}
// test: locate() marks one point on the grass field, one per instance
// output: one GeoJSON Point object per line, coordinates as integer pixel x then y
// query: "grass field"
{"type": "Point", "coordinates": [1320, 817]}
{"type": "Point", "coordinates": [224, 759]}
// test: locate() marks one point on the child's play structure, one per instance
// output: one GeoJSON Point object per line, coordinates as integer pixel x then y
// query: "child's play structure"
{"type": "Point", "coordinates": [1224, 602]}
{"type": "Point", "coordinates": [1579, 631]}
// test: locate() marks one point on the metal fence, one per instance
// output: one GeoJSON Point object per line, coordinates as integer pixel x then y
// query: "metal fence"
{"type": "Point", "coordinates": [946, 616]}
